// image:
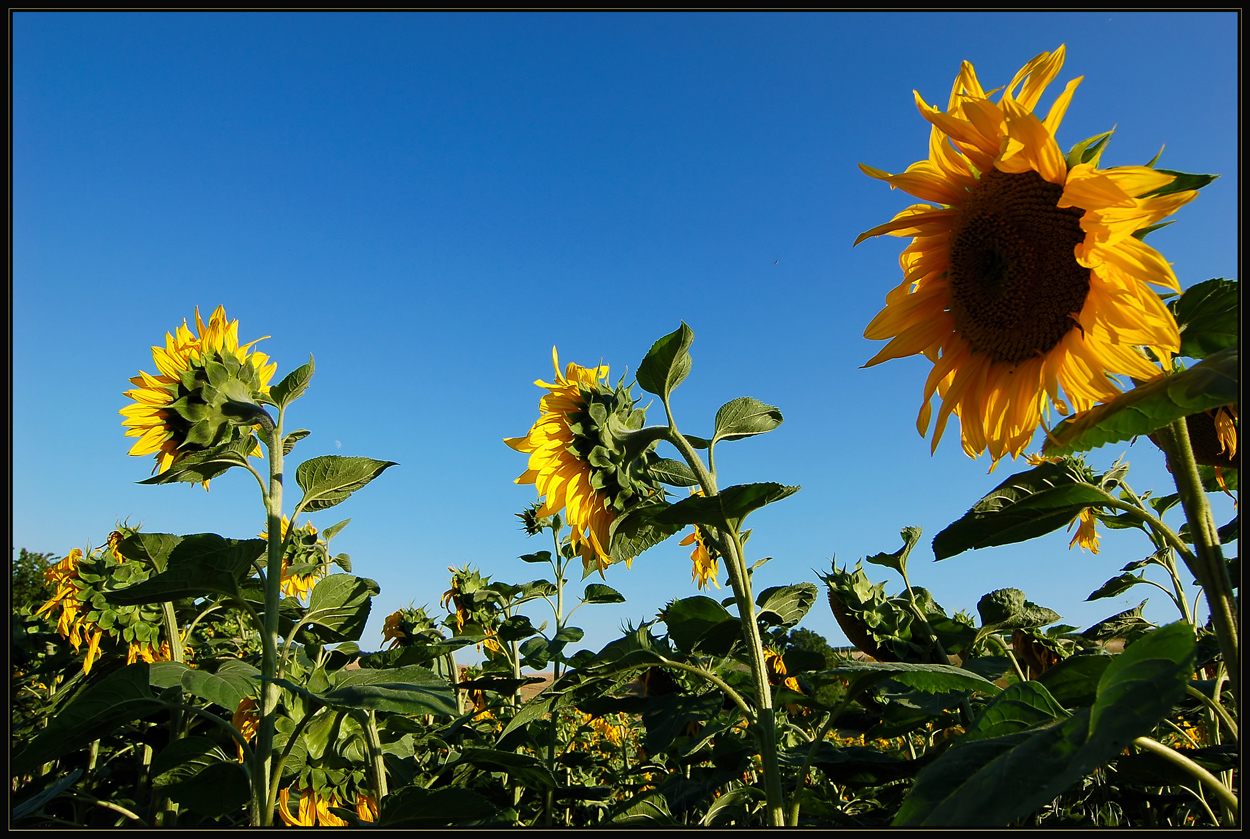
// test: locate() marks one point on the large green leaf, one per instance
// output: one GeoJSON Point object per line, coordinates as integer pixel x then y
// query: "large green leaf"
{"type": "Point", "coordinates": [1024, 506]}
{"type": "Point", "coordinates": [1020, 707]}
{"type": "Point", "coordinates": [150, 548]}
{"type": "Point", "coordinates": [667, 363]}
{"type": "Point", "coordinates": [338, 608]}
{"type": "Point", "coordinates": [202, 564]}
{"type": "Point", "coordinates": [745, 417]}
{"type": "Point", "coordinates": [636, 531]}
{"type": "Point", "coordinates": [701, 624]}
{"type": "Point", "coordinates": [119, 698]}
{"type": "Point", "coordinates": [522, 769]}
{"type": "Point", "coordinates": [997, 780]}
{"type": "Point", "coordinates": [931, 678]}
{"type": "Point", "coordinates": [201, 466]}
{"type": "Point", "coordinates": [1207, 315]}
{"type": "Point", "coordinates": [417, 807]}
{"type": "Point", "coordinates": [1006, 608]}
{"type": "Point", "coordinates": [329, 480]}
{"type": "Point", "coordinates": [785, 605]}
{"type": "Point", "coordinates": [194, 772]}
{"type": "Point", "coordinates": [1148, 407]}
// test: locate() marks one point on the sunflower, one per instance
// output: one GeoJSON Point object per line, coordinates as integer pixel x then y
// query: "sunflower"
{"type": "Point", "coordinates": [577, 458]}
{"type": "Point", "coordinates": [67, 595]}
{"type": "Point", "coordinates": [246, 721]}
{"type": "Point", "coordinates": [1086, 536]}
{"type": "Point", "coordinates": [313, 809]}
{"type": "Point", "coordinates": [180, 410]}
{"type": "Point", "coordinates": [298, 553]}
{"type": "Point", "coordinates": [703, 556]}
{"type": "Point", "coordinates": [777, 671]}
{"type": "Point", "coordinates": [1028, 278]}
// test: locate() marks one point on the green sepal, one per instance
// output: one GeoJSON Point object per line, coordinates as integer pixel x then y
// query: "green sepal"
{"type": "Point", "coordinates": [1210, 383]}
{"type": "Point", "coordinates": [1090, 150]}
{"type": "Point", "coordinates": [1183, 181]}
{"type": "Point", "coordinates": [667, 363]}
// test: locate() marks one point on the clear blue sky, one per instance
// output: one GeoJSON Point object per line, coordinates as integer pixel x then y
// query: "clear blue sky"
{"type": "Point", "coordinates": [428, 202]}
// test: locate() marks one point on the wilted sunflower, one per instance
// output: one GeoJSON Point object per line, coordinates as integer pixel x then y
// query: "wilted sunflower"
{"type": "Point", "coordinates": [313, 809]}
{"type": "Point", "coordinates": [1027, 278]}
{"type": "Point", "coordinates": [1086, 536]}
{"type": "Point", "coordinates": [577, 459]}
{"type": "Point", "coordinates": [703, 556]}
{"type": "Point", "coordinates": [187, 407]}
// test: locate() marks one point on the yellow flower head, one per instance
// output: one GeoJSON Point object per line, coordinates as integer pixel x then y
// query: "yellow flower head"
{"type": "Point", "coordinates": [777, 671]}
{"type": "Point", "coordinates": [1026, 281]}
{"type": "Point", "coordinates": [1085, 536]}
{"type": "Point", "coordinates": [577, 460]}
{"type": "Point", "coordinates": [246, 721]}
{"type": "Point", "coordinates": [313, 810]}
{"type": "Point", "coordinates": [178, 411]}
{"type": "Point", "coordinates": [297, 553]}
{"type": "Point", "coordinates": [704, 558]}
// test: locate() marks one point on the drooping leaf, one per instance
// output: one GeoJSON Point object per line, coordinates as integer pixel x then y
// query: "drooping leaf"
{"type": "Point", "coordinates": [201, 564]}
{"type": "Point", "coordinates": [673, 472]}
{"type": "Point", "coordinates": [1208, 317]}
{"type": "Point", "coordinates": [523, 769]}
{"type": "Point", "coordinates": [598, 593]}
{"type": "Point", "coordinates": [150, 548]}
{"type": "Point", "coordinates": [329, 480]}
{"type": "Point", "coordinates": [424, 808]}
{"type": "Point", "coordinates": [648, 809]}
{"type": "Point", "coordinates": [1073, 682]}
{"type": "Point", "coordinates": [195, 773]}
{"type": "Point", "coordinates": [1116, 586]}
{"type": "Point", "coordinates": [667, 363]}
{"type": "Point", "coordinates": [637, 531]}
{"type": "Point", "coordinates": [293, 437]}
{"type": "Point", "coordinates": [197, 467]}
{"type": "Point", "coordinates": [728, 508]}
{"type": "Point", "coordinates": [785, 605]}
{"type": "Point", "coordinates": [744, 417]}
{"type": "Point", "coordinates": [1148, 407]}
{"type": "Point", "coordinates": [1006, 608]}
{"type": "Point", "coordinates": [931, 678]}
{"type": "Point", "coordinates": [1020, 707]}
{"type": "Point", "coordinates": [1024, 506]}
{"type": "Point", "coordinates": [119, 698]}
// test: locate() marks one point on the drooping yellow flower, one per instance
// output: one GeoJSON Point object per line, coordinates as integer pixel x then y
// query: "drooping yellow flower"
{"type": "Point", "coordinates": [296, 585]}
{"type": "Point", "coordinates": [246, 721]}
{"type": "Point", "coordinates": [1226, 430]}
{"type": "Point", "coordinates": [73, 623]}
{"type": "Point", "coordinates": [391, 632]}
{"type": "Point", "coordinates": [705, 561]}
{"type": "Point", "coordinates": [167, 414]}
{"type": "Point", "coordinates": [777, 671]}
{"type": "Point", "coordinates": [1026, 282]}
{"type": "Point", "coordinates": [576, 461]}
{"type": "Point", "coordinates": [366, 808]}
{"type": "Point", "coordinates": [1086, 536]}
{"type": "Point", "coordinates": [314, 810]}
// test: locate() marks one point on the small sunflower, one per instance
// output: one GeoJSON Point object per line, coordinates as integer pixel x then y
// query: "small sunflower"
{"type": "Point", "coordinates": [313, 811]}
{"type": "Point", "coordinates": [303, 549]}
{"type": "Point", "coordinates": [577, 460]}
{"type": "Point", "coordinates": [703, 556]}
{"type": "Point", "coordinates": [1028, 281]}
{"type": "Point", "coordinates": [189, 405]}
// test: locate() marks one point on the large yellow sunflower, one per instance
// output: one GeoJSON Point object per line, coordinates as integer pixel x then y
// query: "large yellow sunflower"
{"type": "Point", "coordinates": [169, 414]}
{"type": "Point", "coordinates": [1027, 278]}
{"type": "Point", "coordinates": [578, 463]}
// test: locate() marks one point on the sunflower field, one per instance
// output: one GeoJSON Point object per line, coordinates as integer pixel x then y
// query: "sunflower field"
{"type": "Point", "coordinates": [200, 680]}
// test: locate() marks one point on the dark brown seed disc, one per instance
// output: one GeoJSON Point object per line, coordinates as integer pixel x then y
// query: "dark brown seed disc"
{"type": "Point", "coordinates": [1015, 281]}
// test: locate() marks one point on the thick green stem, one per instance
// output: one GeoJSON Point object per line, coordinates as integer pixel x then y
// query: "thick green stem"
{"type": "Point", "coordinates": [377, 767]}
{"type": "Point", "coordinates": [764, 727]}
{"type": "Point", "coordinates": [270, 692]}
{"type": "Point", "coordinates": [1210, 568]}
{"type": "Point", "coordinates": [1175, 757]}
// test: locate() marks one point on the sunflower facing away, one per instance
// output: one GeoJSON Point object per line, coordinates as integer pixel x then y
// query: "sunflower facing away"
{"type": "Point", "coordinates": [576, 460]}
{"type": "Point", "coordinates": [178, 411]}
{"type": "Point", "coordinates": [299, 584]}
{"type": "Point", "coordinates": [1027, 278]}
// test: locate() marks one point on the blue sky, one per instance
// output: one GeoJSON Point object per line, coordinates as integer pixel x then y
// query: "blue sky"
{"type": "Point", "coordinates": [427, 203]}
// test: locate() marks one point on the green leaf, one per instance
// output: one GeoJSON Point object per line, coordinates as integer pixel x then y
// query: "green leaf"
{"type": "Point", "coordinates": [1207, 315]}
{"type": "Point", "coordinates": [745, 417]}
{"type": "Point", "coordinates": [701, 624]}
{"type": "Point", "coordinates": [785, 605]}
{"type": "Point", "coordinates": [150, 548]}
{"type": "Point", "coordinates": [289, 441]}
{"type": "Point", "coordinates": [930, 678]}
{"type": "Point", "coordinates": [673, 472]}
{"type": "Point", "coordinates": [121, 697]}
{"type": "Point", "coordinates": [648, 809]}
{"type": "Point", "coordinates": [1006, 608]}
{"type": "Point", "coordinates": [293, 386]}
{"type": "Point", "coordinates": [1022, 507]}
{"type": "Point", "coordinates": [1183, 181]}
{"type": "Point", "coordinates": [330, 479]}
{"type": "Point", "coordinates": [1148, 407]}
{"type": "Point", "coordinates": [726, 509]}
{"type": "Point", "coordinates": [1073, 682]}
{"type": "Point", "coordinates": [233, 682]}
{"type": "Point", "coordinates": [194, 772]}
{"type": "Point", "coordinates": [1089, 151]}
{"type": "Point", "coordinates": [667, 363]}
{"type": "Point", "coordinates": [522, 769]}
{"type": "Point", "coordinates": [201, 466]}
{"type": "Point", "coordinates": [1116, 586]}
{"type": "Point", "coordinates": [202, 564]}
{"type": "Point", "coordinates": [898, 559]}
{"type": "Point", "coordinates": [597, 593]}
{"type": "Point", "coordinates": [334, 530]}
{"type": "Point", "coordinates": [997, 780]}
{"type": "Point", "coordinates": [338, 608]}
{"type": "Point", "coordinates": [417, 807]}
{"type": "Point", "coordinates": [1020, 707]}
{"type": "Point", "coordinates": [637, 531]}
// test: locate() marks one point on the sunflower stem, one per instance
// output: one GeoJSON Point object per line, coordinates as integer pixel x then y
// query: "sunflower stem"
{"type": "Point", "coordinates": [270, 692]}
{"type": "Point", "coordinates": [1210, 567]}
{"type": "Point", "coordinates": [764, 726]}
